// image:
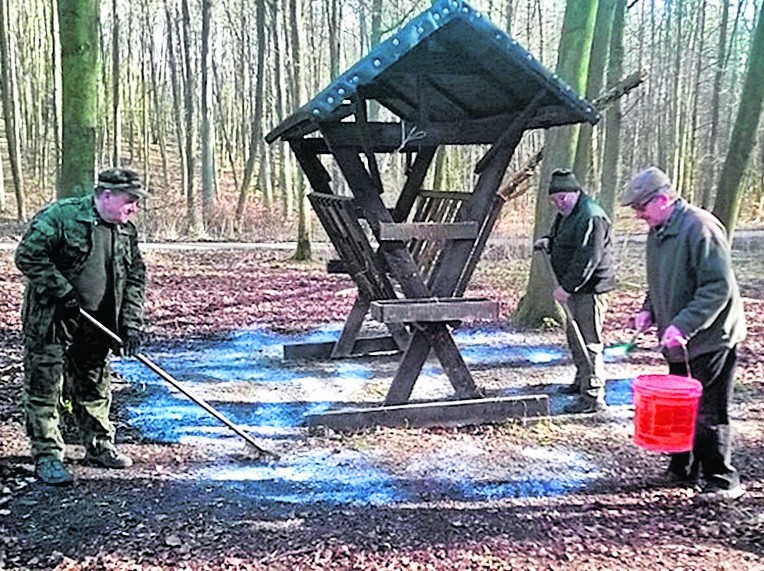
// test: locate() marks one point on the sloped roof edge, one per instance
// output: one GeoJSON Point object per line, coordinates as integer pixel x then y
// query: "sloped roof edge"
{"type": "Point", "coordinates": [417, 30]}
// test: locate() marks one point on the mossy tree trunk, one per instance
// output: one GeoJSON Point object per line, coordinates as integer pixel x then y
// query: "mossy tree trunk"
{"type": "Point", "coordinates": [730, 193]}
{"type": "Point", "coordinates": [611, 155]}
{"type": "Point", "coordinates": [586, 167]}
{"type": "Point", "coordinates": [537, 305]}
{"type": "Point", "coordinates": [79, 25]}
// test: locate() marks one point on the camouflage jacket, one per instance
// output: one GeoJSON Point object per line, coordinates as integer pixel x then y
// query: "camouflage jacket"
{"type": "Point", "coordinates": [52, 253]}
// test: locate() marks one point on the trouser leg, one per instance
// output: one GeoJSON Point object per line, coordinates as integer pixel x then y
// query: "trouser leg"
{"type": "Point", "coordinates": [588, 310]}
{"type": "Point", "coordinates": [43, 379]}
{"type": "Point", "coordinates": [712, 449]}
{"type": "Point", "coordinates": [88, 371]}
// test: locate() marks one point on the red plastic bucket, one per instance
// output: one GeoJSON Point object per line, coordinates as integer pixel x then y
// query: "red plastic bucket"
{"type": "Point", "coordinates": [665, 412]}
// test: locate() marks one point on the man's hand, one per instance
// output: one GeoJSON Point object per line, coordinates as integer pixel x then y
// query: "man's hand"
{"type": "Point", "coordinates": [560, 295]}
{"type": "Point", "coordinates": [131, 344]}
{"type": "Point", "coordinates": [68, 306]}
{"type": "Point", "coordinates": [673, 337]}
{"type": "Point", "coordinates": [541, 245]}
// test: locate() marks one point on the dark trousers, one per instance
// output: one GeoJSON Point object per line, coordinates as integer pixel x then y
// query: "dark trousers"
{"type": "Point", "coordinates": [713, 440]}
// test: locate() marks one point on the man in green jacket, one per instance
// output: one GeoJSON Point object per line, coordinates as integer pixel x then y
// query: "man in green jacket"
{"type": "Point", "coordinates": [79, 253]}
{"type": "Point", "coordinates": [694, 301]}
{"type": "Point", "coordinates": [579, 247]}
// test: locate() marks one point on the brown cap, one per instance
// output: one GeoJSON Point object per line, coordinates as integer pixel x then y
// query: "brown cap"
{"type": "Point", "coordinates": [563, 180]}
{"type": "Point", "coordinates": [122, 180]}
{"type": "Point", "coordinates": [645, 185]}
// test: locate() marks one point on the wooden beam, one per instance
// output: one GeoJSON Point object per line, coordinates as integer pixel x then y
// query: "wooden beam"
{"type": "Point", "coordinates": [433, 309]}
{"type": "Point", "coordinates": [387, 137]}
{"type": "Point", "coordinates": [362, 347]}
{"type": "Point", "coordinates": [312, 167]}
{"type": "Point", "coordinates": [413, 185]}
{"type": "Point", "coordinates": [428, 231]}
{"type": "Point", "coordinates": [438, 413]}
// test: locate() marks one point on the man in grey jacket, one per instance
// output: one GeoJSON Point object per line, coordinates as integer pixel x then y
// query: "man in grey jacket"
{"type": "Point", "coordinates": [694, 301]}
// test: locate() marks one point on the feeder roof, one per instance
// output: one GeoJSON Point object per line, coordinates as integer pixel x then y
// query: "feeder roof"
{"type": "Point", "coordinates": [448, 64]}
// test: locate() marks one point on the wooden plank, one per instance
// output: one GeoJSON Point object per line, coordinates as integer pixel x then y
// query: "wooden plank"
{"type": "Point", "coordinates": [413, 184]}
{"type": "Point", "coordinates": [363, 346]}
{"type": "Point", "coordinates": [337, 267]}
{"type": "Point", "coordinates": [428, 231]}
{"type": "Point", "coordinates": [438, 413]}
{"type": "Point", "coordinates": [351, 329]}
{"type": "Point", "coordinates": [433, 309]}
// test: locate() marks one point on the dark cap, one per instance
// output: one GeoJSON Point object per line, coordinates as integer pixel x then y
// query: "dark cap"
{"type": "Point", "coordinates": [122, 180]}
{"type": "Point", "coordinates": [563, 180]}
{"type": "Point", "coordinates": [645, 185]}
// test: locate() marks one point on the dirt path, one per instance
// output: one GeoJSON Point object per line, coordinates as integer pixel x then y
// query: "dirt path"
{"type": "Point", "coordinates": [563, 494]}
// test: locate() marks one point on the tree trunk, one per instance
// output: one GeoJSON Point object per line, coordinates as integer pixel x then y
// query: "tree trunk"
{"type": "Point", "coordinates": [207, 134]}
{"type": "Point", "coordinates": [611, 165]}
{"type": "Point", "coordinates": [538, 305]}
{"type": "Point", "coordinates": [79, 72]}
{"type": "Point", "coordinates": [730, 194]}
{"type": "Point", "coordinates": [303, 251]}
{"type": "Point", "coordinates": [255, 129]}
{"type": "Point", "coordinates": [11, 111]}
{"type": "Point", "coordinates": [333, 17]}
{"type": "Point", "coordinates": [709, 162]}
{"type": "Point", "coordinates": [116, 101]}
{"type": "Point", "coordinates": [585, 166]}
{"type": "Point", "coordinates": [195, 223]}
{"type": "Point", "coordinates": [172, 45]}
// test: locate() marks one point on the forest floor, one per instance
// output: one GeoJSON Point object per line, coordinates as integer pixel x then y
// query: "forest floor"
{"type": "Point", "coordinates": [569, 492]}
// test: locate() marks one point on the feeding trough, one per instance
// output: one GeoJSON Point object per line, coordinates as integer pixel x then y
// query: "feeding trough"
{"type": "Point", "coordinates": [448, 77]}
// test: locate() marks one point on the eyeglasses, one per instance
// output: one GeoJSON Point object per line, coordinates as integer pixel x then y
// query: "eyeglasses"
{"type": "Point", "coordinates": [642, 207]}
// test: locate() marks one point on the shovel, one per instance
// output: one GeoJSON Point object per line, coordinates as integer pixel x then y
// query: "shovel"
{"type": "Point", "coordinates": [260, 452]}
{"type": "Point", "coordinates": [622, 349]}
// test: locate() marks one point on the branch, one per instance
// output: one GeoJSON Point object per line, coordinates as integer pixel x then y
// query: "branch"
{"type": "Point", "coordinates": [515, 184]}
{"type": "Point", "coordinates": [623, 87]}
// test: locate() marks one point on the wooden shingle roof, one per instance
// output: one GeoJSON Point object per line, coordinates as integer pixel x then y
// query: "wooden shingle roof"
{"type": "Point", "coordinates": [449, 64]}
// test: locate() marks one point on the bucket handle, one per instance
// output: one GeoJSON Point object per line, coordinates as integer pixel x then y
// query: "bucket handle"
{"type": "Point", "coordinates": [687, 360]}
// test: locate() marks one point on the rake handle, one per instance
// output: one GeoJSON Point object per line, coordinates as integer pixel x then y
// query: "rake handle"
{"type": "Point", "coordinates": [176, 384]}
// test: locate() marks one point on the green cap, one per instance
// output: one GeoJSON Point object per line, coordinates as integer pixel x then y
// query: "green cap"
{"type": "Point", "coordinates": [563, 180]}
{"type": "Point", "coordinates": [122, 180]}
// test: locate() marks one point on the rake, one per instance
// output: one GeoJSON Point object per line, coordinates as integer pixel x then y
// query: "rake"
{"type": "Point", "coordinates": [250, 442]}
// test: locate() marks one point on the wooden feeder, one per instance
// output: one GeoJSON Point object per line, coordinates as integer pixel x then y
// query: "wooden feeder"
{"type": "Point", "coordinates": [448, 77]}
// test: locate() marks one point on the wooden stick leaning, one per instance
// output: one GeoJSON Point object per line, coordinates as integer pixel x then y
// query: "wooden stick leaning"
{"type": "Point", "coordinates": [573, 324]}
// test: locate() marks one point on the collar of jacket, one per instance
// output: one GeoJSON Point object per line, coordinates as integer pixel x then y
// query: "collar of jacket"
{"type": "Point", "coordinates": [87, 211]}
{"type": "Point", "coordinates": [671, 228]}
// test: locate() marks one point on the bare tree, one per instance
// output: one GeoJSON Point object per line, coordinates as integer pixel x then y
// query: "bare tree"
{"type": "Point", "coordinates": [207, 133]}
{"type": "Point", "coordinates": [559, 150]}
{"type": "Point", "coordinates": [79, 71]}
{"type": "Point", "coordinates": [729, 196]}
{"type": "Point", "coordinates": [611, 153]}
{"type": "Point", "coordinates": [116, 94]}
{"type": "Point", "coordinates": [11, 114]}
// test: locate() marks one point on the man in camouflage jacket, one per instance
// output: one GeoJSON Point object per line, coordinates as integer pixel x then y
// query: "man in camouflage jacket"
{"type": "Point", "coordinates": [79, 253]}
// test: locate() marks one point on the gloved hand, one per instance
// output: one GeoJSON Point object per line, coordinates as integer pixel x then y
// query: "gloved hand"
{"type": "Point", "coordinates": [68, 306]}
{"type": "Point", "coordinates": [131, 343]}
{"type": "Point", "coordinates": [542, 244]}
